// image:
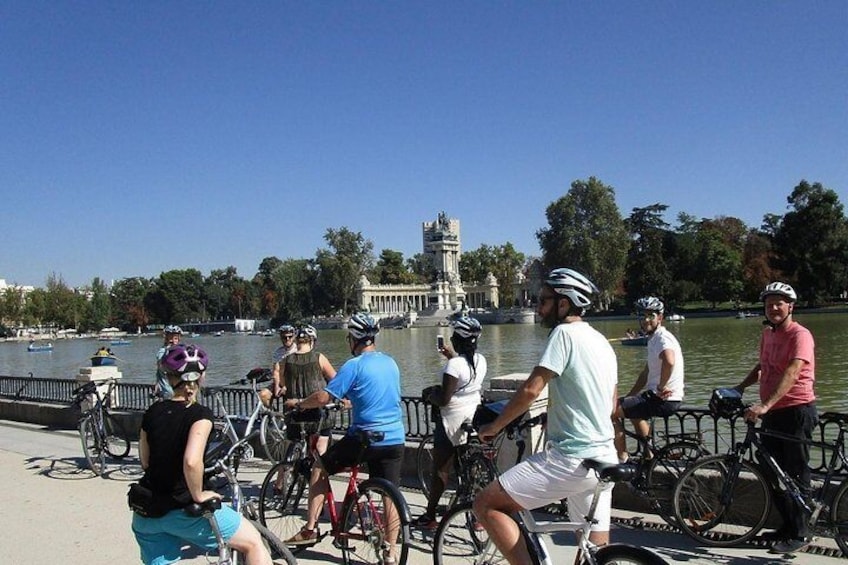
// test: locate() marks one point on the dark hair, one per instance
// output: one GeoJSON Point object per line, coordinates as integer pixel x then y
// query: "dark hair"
{"type": "Point", "coordinates": [465, 346]}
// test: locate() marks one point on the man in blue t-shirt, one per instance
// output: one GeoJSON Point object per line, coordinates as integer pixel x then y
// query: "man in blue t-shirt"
{"type": "Point", "coordinates": [371, 382]}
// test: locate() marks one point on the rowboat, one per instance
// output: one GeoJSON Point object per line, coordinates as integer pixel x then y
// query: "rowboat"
{"type": "Point", "coordinates": [35, 348]}
{"type": "Point", "coordinates": [639, 340]}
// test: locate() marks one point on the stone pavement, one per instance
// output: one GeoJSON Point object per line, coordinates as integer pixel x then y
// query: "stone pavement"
{"type": "Point", "coordinates": [55, 511]}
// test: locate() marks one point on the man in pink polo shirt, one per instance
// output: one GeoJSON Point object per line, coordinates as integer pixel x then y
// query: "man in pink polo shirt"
{"type": "Point", "coordinates": [786, 373]}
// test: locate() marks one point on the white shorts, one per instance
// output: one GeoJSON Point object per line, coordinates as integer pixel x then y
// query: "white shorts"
{"type": "Point", "coordinates": [549, 476]}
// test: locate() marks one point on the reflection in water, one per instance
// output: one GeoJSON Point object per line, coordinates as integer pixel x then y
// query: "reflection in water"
{"type": "Point", "coordinates": [718, 352]}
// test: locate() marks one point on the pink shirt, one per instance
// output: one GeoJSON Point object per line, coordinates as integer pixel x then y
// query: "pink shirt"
{"type": "Point", "coordinates": [777, 349]}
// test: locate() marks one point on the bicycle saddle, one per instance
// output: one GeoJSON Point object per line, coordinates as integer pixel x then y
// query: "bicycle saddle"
{"type": "Point", "coordinates": [616, 472]}
{"type": "Point", "coordinates": [196, 509]}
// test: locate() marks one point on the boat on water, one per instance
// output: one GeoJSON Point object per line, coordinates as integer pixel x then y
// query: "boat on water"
{"type": "Point", "coordinates": [103, 357]}
{"type": "Point", "coordinates": [37, 347]}
{"type": "Point", "coordinates": [120, 342]}
{"type": "Point", "coordinates": [635, 341]}
{"type": "Point", "coordinates": [219, 333]}
{"type": "Point", "coordinates": [675, 318]}
{"type": "Point", "coordinates": [742, 315]}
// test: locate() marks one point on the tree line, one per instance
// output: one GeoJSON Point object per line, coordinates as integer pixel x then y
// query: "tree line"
{"type": "Point", "coordinates": [715, 260]}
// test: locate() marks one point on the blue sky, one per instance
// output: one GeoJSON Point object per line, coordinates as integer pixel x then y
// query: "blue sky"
{"type": "Point", "coordinates": [139, 137]}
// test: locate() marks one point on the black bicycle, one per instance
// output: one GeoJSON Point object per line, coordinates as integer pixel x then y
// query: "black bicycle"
{"type": "Point", "coordinates": [724, 500]}
{"type": "Point", "coordinates": [100, 432]}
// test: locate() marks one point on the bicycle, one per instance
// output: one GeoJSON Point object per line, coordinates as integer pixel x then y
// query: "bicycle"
{"type": "Point", "coordinates": [724, 500]}
{"type": "Point", "coordinates": [658, 468]}
{"type": "Point", "coordinates": [458, 539]}
{"type": "Point", "coordinates": [370, 509]}
{"type": "Point", "coordinates": [270, 423]}
{"type": "Point", "coordinates": [217, 462]}
{"type": "Point", "coordinates": [100, 432]}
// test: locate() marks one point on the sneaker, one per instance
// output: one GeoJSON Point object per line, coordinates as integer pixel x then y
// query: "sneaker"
{"type": "Point", "coordinates": [425, 522]}
{"type": "Point", "coordinates": [773, 536]}
{"type": "Point", "coordinates": [304, 537]}
{"type": "Point", "coordinates": [790, 545]}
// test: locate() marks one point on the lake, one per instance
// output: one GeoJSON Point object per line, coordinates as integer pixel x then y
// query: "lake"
{"type": "Point", "coordinates": [718, 352]}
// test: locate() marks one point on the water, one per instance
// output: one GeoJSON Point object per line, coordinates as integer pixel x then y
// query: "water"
{"type": "Point", "coordinates": [718, 352]}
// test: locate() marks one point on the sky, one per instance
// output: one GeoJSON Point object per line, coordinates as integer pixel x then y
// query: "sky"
{"type": "Point", "coordinates": [140, 137]}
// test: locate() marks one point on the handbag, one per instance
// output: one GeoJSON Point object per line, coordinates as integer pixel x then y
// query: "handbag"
{"type": "Point", "coordinates": [147, 503]}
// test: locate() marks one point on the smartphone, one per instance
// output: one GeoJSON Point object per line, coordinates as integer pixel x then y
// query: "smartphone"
{"type": "Point", "coordinates": [440, 342]}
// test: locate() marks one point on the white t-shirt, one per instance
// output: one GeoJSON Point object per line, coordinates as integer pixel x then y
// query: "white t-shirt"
{"type": "Point", "coordinates": [581, 396]}
{"type": "Point", "coordinates": [467, 397]}
{"type": "Point", "coordinates": [659, 342]}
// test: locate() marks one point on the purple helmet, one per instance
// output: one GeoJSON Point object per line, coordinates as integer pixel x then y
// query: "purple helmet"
{"type": "Point", "coordinates": [188, 361]}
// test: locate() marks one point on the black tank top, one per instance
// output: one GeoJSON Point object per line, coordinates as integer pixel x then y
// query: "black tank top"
{"type": "Point", "coordinates": [303, 374]}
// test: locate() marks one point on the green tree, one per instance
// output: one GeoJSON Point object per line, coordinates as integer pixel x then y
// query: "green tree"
{"type": "Point", "coordinates": [178, 296]}
{"type": "Point", "coordinates": [340, 267]}
{"type": "Point", "coordinates": [98, 311]}
{"type": "Point", "coordinates": [811, 243]}
{"type": "Point", "coordinates": [421, 266]}
{"type": "Point", "coordinates": [647, 271]}
{"type": "Point", "coordinates": [218, 292]}
{"type": "Point", "coordinates": [757, 260]}
{"type": "Point", "coordinates": [475, 264]}
{"type": "Point", "coordinates": [265, 286]}
{"type": "Point", "coordinates": [586, 232]}
{"type": "Point", "coordinates": [391, 269]}
{"type": "Point", "coordinates": [295, 279]}
{"type": "Point", "coordinates": [128, 309]}
{"type": "Point", "coordinates": [720, 243]}
{"type": "Point", "coordinates": [61, 307]}
{"type": "Point", "coordinates": [34, 311]}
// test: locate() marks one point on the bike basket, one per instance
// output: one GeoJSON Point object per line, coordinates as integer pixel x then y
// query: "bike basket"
{"type": "Point", "coordinates": [725, 402]}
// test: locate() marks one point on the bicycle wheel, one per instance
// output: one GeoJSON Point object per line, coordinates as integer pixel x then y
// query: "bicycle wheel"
{"type": "Point", "coordinates": [698, 506]}
{"type": "Point", "coordinates": [424, 460]}
{"type": "Point", "coordinates": [283, 497]}
{"type": "Point", "coordinates": [460, 539]}
{"type": "Point", "coordinates": [664, 470]}
{"type": "Point", "coordinates": [374, 523]}
{"type": "Point", "coordinates": [92, 445]}
{"type": "Point", "coordinates": [622, 554]}
{"type": "Point", "coordinates": [272, 435]}
{"type": "Point", "coordinates": [278, 550]}
{"type": "Point", "coordinates": [117, 441]}
{"type": "Point", "coordinates": [839, 517]}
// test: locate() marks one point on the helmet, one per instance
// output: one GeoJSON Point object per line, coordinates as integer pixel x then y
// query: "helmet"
{"type": "Point", "coordinates": [572, 285]}
{"type": "Point", "coordinates": [286, 329]}
{"type": "Point", "coordinates": [781, 289]}
{"type": "Point", "coordinates": [466, 327]}
{"type": "Point", "coordinates": [650, 304]}
{"type": "Point", "coordinates": [306, 331]}
{"type": "Point", "coordinates": [173, 330]}
{"type": "Point", "coordinates": [362, 326]}
{"type": "Point", "coordinates": [187, 361]}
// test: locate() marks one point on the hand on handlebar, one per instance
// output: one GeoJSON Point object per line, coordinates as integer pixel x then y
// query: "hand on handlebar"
{"type": "Point", "coordinates": [487, 432]}
{"type": "Point", "coordinates": [207, 495]}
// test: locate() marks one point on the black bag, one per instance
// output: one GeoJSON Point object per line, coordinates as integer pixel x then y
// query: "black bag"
{"type": "Point", "coordinates": [145, 502]}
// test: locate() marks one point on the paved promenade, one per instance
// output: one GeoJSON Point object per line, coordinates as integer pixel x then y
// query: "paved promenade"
{"type": "Point", "coordinates": [54, 511]}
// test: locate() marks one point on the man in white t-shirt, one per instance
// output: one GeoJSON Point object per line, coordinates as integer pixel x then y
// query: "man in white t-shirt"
{"type": "Point", "coordinates": [658, 390]}
{"type": "Point", "coordinates": [580, 369]}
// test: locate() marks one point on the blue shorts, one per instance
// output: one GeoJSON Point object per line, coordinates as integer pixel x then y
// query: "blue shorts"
{"type": "Point", "coordinates": [160, 539]}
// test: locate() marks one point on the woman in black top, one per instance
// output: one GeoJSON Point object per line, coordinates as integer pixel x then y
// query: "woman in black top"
{"type": "Point", "coordinates": [171, 447]}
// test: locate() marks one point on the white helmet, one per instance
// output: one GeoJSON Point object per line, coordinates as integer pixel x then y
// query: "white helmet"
{"type": "Point", "coordinates": [650, 304]}
{"type": "Point", "coordinates": [781, 289]}
{"type": "Point", "coordinates": [362, 326]}
{"type": "Point", "coordinates": [573, 285]}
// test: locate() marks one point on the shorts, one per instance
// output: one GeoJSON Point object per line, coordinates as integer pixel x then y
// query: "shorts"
{"type": "Point", "coordinates": [384, 461]}
{"type": "Point", "coordinates": [160, 539]}
{"type": "Point", "coordinates": [548, 476]}
{"type": "Point", "coordinates": [645, 407]}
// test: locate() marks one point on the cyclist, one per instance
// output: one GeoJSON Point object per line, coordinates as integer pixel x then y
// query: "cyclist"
{"type": "Point", "coordinates": [786, 373]}
{"type": "Point", "coordinates": [457, 399]}
{"type": "Point", "coordinates": [303, 372]}
{"type": "Point", "coordinates": [371, 381]}
{"type": "Point", "coordinates": [580, 369]}
{"type": "Point", "coordinates": [171, 448]}
{"type": "Point", "coordinates": [286, 333]}
{"type": "Point", "coordinates": [658, 390]}
{"type": "Point", "coordinates": [162, 389]}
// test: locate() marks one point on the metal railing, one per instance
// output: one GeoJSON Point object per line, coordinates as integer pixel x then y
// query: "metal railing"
{"type": "Point", "coordinates": [718, 435]}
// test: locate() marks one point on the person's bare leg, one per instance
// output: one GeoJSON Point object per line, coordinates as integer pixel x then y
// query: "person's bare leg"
{"type": "Point", "coordinates": [493, 508]}
{"type": "Point", "coordinates": [248, 541]}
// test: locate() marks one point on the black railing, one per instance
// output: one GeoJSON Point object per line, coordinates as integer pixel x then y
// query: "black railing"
{"type": "Point", "coordinates": [718, 435]}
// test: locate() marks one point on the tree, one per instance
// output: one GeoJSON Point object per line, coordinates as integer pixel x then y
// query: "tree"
{"type": "Point", "coordinates": [811, 243]}
{"type": "Point", "coordinates": [60, 305]}
{"type": "Point", "coordinates": [391, 269]}
{"type": "Point", "coordinates": [340, 267]}
{"type": "Point", "coordinates": [475, 264]}
{"type": "Point", "coordinates": [586, 233]}
{"type": "Point", "coordinates": [98, 313]}
{"type": "Point", "coordinates": [178, 296]}
{"type": "Point", "coordinates": [720, 259]}
{"type": "Point", "coordinates": [265, 285]}
{"type": "Point", "coordinates": [295, 279]}
{"type": "Point", "coordinates": [757, 260]}
{"type": "Point", "coordinates": [647, 271]}
{"type": "Point", "coordinates": [128, 307]}
{"type": "Point", "coordinates": [421, 266]}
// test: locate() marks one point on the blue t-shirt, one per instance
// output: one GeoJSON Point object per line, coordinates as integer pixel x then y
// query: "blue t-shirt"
{"type": "Point", "coordinates": [371, 381]}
